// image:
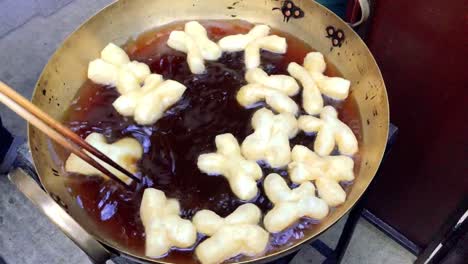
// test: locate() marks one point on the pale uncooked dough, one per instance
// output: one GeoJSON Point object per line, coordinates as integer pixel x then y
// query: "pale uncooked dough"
{"type": "Point", "coordinates": [333, 87]}
{"type": "Point", "coordinates": [252, 43]}
{"type": "Point", "coordinates": [242, 174]}
{"type": "Point", "coordinates": [115, 68]}
{"type": "Point", "coordinates": [271, 43]}
{"type": "Point", "coordinates": [238, 233]}
{"type": "Point", "coordinates": [312, 100]}
{"type": "Point", "coordinates": [270, 141]}
{"type": "Point", "coordinates": [164, 228]}
{"type": "Point", "coordinates": [327, 172]}
{"type": "Point", "coordinates": [290, 205]}
{"type": "Point", "coordinates": [148, 103]}
{"type": "Point", "coordinates": [330, 131]}
{"type": "Point", "coordinates": [125, 152]}
{"type": "Point", "coordinates": [274, 90]}
{"type": "Point", "coordinates": [238, 42]}
{"type": "Point", "coordinates": [195, 42]}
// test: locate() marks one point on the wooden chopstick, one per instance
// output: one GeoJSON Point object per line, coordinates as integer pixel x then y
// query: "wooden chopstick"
{"type": "Point", "coordinates": [65, 131]}
{"type": "Point", "coordinates": [57, 131]}
{"type": "Point", "coordinates": [55, 136]}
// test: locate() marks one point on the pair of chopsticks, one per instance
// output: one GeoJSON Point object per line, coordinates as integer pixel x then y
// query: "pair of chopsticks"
{"type": "Point", "coordinates": [59, 133]}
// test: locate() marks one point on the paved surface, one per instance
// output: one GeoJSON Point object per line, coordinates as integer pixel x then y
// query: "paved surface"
{"type": "Point", "coordinates": [30, 31]}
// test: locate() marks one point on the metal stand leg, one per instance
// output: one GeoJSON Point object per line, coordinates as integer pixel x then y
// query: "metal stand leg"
{"type": "Point", "coordinates": [335, 256]}
{"type": "Point", "coordinates": [348, 231]}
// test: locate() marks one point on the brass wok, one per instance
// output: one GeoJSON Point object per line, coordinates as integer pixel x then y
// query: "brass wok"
{"type": "Point", "coordinates": [66, 72]}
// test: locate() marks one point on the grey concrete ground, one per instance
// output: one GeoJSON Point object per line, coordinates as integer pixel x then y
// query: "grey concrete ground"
{"type": "Point", "coordinates": [30, 31]}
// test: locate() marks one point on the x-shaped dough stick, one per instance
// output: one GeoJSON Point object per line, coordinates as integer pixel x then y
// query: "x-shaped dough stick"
{"type": "Point", "coordinates": [333, 87]}
{"type": "Point", "coordinates": [195, 42]}
{"type": "Point", "coordinates": [238, 233]}
{"type": "Point", "coordinates": [115, 68]}
{"type": "Point", "coordinates": [331, 131]}
{"type": "Point", "coordinates": [242, 174]}
{"type": "Point", "coordinates": [270, 141]}
{"type": "Point", "coordinates": [290, 204]}
{"type": "Point", "coordinates": [274, 89]}
{"type": "Point", "coordinates": [252, 43]}
{"type": "Point", "coordinates": [327, 172]}
{"type": "Point", "coordinates": [164, 228]}
{"type": "Point", "coordinates": [147, 104]}
{"type": "Point", "coordinates": [126, 152]}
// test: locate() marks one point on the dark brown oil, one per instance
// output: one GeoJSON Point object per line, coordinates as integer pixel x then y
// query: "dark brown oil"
{"type": "Point", "coordinates": [172, 145]}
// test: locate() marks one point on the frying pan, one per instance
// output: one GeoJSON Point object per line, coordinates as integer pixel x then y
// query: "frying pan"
{"type": "Point", "coordinates": [66, 72]}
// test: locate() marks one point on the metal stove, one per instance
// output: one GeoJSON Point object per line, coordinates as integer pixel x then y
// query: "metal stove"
{"type": "Point", "coordinates": [16, 158]}
{"type": "Point", "coordinates": [18, 161]}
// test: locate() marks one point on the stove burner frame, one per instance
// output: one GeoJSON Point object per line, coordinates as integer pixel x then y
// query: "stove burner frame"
{"type": "Point", "coordinates": [23, 169]}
